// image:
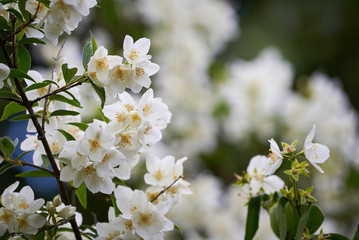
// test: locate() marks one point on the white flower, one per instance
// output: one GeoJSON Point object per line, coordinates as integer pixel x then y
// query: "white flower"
{"type": "Point", "coordinates": [136, 52]}
{"type": "Point", "coordinates": [4, 73]}
{"type": "Point", "coordinates": [315, 152]}
{"type": "Point", "coordinates": [275, 157]}
{"type": "Point", "coordinates": [67, 211]}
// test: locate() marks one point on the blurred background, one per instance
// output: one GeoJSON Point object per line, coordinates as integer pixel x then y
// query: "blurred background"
{"type": "Point", "coordinates": [235, 74]}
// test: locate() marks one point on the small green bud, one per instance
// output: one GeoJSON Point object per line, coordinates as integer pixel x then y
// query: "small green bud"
{"type": "Point", "coordinates": [57, 200]}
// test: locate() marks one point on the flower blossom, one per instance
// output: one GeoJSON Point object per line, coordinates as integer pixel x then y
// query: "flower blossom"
{"type": "Point", "coordinates": [315, 152]}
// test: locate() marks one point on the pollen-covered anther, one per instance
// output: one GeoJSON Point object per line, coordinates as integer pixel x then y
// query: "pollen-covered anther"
{"type": "Point", "coordinates": [147, 109]}
{"type": "Point", "coordinates": [125, 140]}
{"type": "Point", "coordinates": [272, 156]}
{"type": "Point", "coordinates": [128, 225]}
{"type": "Point", "coordinates": [133, 209]}
{"type": "Point", "coordinates": [140, 72]}
{"type": "Point", "coordinates": [129, 107]}
{"type": "Point", "coordinates": [145, 218]}
{"type": "Point", "coordinates": [120, 73]}
{"type": "Point", "coordinates": [101, 64]}
{"type": "Point", "coordinates": [147, 130]}
{"type": "Point", "coordinates": [55, 148]}
{"type": "Point", "coordinates": [42, 91]}
{"type": "Point", "coordinates": [24, 205]}
{"type": "Point", "coordinates": [133, 54]}
{"type": "Point", "coordinates": [158, 175]}
{"type": "Point", "coordinates": [106, 158]}
{"type": "Point", "coordinates": [89, 171]}
{"type": "Point", "coordinates": [94, 144]}
{"type": "Point", "coordinates": [120, 117]}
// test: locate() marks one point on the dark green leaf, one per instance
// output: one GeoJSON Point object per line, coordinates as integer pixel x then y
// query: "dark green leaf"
{"type": "Point", "coordinates": [303, 223]}
{"type": "Point", "coordinates": [45, 161]}
{"type": "Point", "coordinates": [35, 173]}
{"type": "Point", "coordinates": [292, 220]}
{"type": "Point", "coordinates": [9, 94]}
{"type": "Point", "coordinates": [31, 41]}
{"type": "Point", "coordinates": [40, 236]}
{"type": "Point", "coordinates": [254, 207]}
{"type": "Point", "coordinates": [21, 155]}
{"type": "Point", "coordinates": [67, 135]}
{"type": "Point", "coordinates": [6, 167]}
{"type": "Point", "coordinates": [16, 73]}
{"type": "Point", "coordinates": [45, 2]}
{"type": "Point", "coordinates": [335, 236]}
{"type": "Point", "coordinates": [22, 7]}
{"type": "Point", "coordinates": [94, 44]}
{"type": "Point", "coordinates": [315, 220]}
{"type": "Point", "coordinates": [117, 210]}
{"type": "Point", "coordinates": [282, 218]}
{"type": "Point", "coordinates": [24, 58]}
{"type": "Point", "coordinates": [100, 92]}
{"type": "Point", "coordinates": [37, 85]}
{"type": "Point", "coordinates": [68, 73]}
{"type": "Point", "coordinates": [81, 194]}
{"type": "Point", "coordinates": [4, 24]}
{"type": "Point", "coordinates": [63, 113]}
{"type": "Point", "coordinates": [7, 146]}
{"type": "Point", "coordinates": [87, 53]}
{"type": "Point", "coordinates": [82, 126]}
{"type": "Point", "coordinates": [11, 109]}
{"type": "Point", "coordinates": [118, 181]}
{"type": "Point", "coordinates": [21, 117]}
{"type": "Point", "coordinates": [7, 1]}
{"type": "Point", "coordinates": [15, 13]}
{"type": "Point", "coordinates": [73, 102]}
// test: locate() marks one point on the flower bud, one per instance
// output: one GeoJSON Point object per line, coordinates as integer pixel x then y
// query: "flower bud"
{"type": "Point", "coordinates": [67, 211]}
{"type": "Point", "coordinates": [51, 208]}
{"type": "Point", "coordinates": [57, 200]}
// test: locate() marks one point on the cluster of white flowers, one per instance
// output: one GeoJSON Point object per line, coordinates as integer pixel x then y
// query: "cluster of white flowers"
{"type": "Point", "coordinates": [143, 213]}
{"type": "Point", "coordinates": [190, 29]}
{"type": "Point", "coordinates": [19, 213]}
{"type": "Point", "coordinates": [109, 71]}
{"type": "Point", "coordinates": [60, 16]}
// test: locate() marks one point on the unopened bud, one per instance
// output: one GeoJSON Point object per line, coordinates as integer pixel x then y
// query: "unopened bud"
{"type": "Point", "coordinates": [57, 200]}
{"type": "Point", "coordinates": [67, 211]}
{"type": "Point", "coordinates": [51, 208]}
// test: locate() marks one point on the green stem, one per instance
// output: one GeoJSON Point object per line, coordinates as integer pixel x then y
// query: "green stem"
{"type": "Point", "coordinates": [296, 196]}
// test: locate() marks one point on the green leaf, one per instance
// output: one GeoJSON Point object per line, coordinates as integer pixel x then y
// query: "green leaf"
{"type": "Point", "coordinates": [37, 85]}
{"type": "Point", "coordinates": [63, 113]}
{"type": "Point", "coordinates": [82, 126]}
{"type": "Point", "coordinates": [22, 7]}
{"type": "Point", "coordinates": [292, 220]}
{"type": "Point", "coordinates": [45, 161]}
{"type": "Point", "coordinates": [17, 73]}
{"type": "Point", "coordinates": [316, 218]}
{"type": "Point", "coordinates": [6, 167]}
{"type": "Point", "coordinates": [10, 109]}
{"type": "Point", "coordinates": [335, 236]}
{"type": "Point", "coordinates": [7, 1]}
{"type": "Point", "coordinates": [31, 41]}
{"type": "Point", "coordinates": [104, 118]}
{"type": "Point", "coordinates": [87, 53]}
{"type": "Point", "coordinates": [73, 102]}
{"type": "Point", "coordinates": [45, 2]}
{"type": "Point", "coordinates": [9, 94]}
{"type": "Point", "coordinates": [303, 222]}
{"type": "Point", "coordinates": [21, 155]}
{"type": "Point", "coordinates": [35, 173]}
{"type": "Point", "coordinates": [15, 13]}
{"type": "Point", "coordinates": [68, 73]}
{"type": "Point", "coordinates": [81, 194]}
{"type": "Point", "coordinates": [100, 92]}
{"type": "Point", "coordinates": [94, 44]}
{"type": "Point", "coordinates": [24, 58]}
{"type": "Point", "coordinates": [117, 210]}
{"type": "Point", "coordinates": [118, 181]}
{"type": "Point", "coordinates": [40, 236]}
{"type": "Point", "coordinates": [254, 207]}
{"type": "Point", "coordinates": [67, 135]}
{"type": "Point", "coordinates": [21, 117]}
{"type": "Point", "coordinates": [4, 24]}
{"type": "Point", "coordinates": [278, 219]}
{"type": "Point", "coordinates": [7, 146]}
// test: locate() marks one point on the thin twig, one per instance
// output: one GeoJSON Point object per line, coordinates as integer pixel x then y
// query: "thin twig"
{"type": "Point", "coordinates": [164, 190]}
{"type": "Point", "coordinates": [10, 99]}
{"type": "Point", "coordinates": [25, 163]}
{"type": "Point", "coordinates": [61, 89]}
{"type": "Point", "coordinates": [59, 223]}
{"type": "Point", "coordinates": [49, 89]}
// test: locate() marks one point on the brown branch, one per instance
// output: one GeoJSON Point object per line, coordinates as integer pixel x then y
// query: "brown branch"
{"type": "Point", "coordinates": [164, 190]}
{"type": "Point", "coordinates": [25, 163]}
{"type": "Point", "coordinates": [11, 99]}
{"type": "Point", "coordinates": [59, 223]}
{"type": "Point", "coordinates": [61, 89]}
